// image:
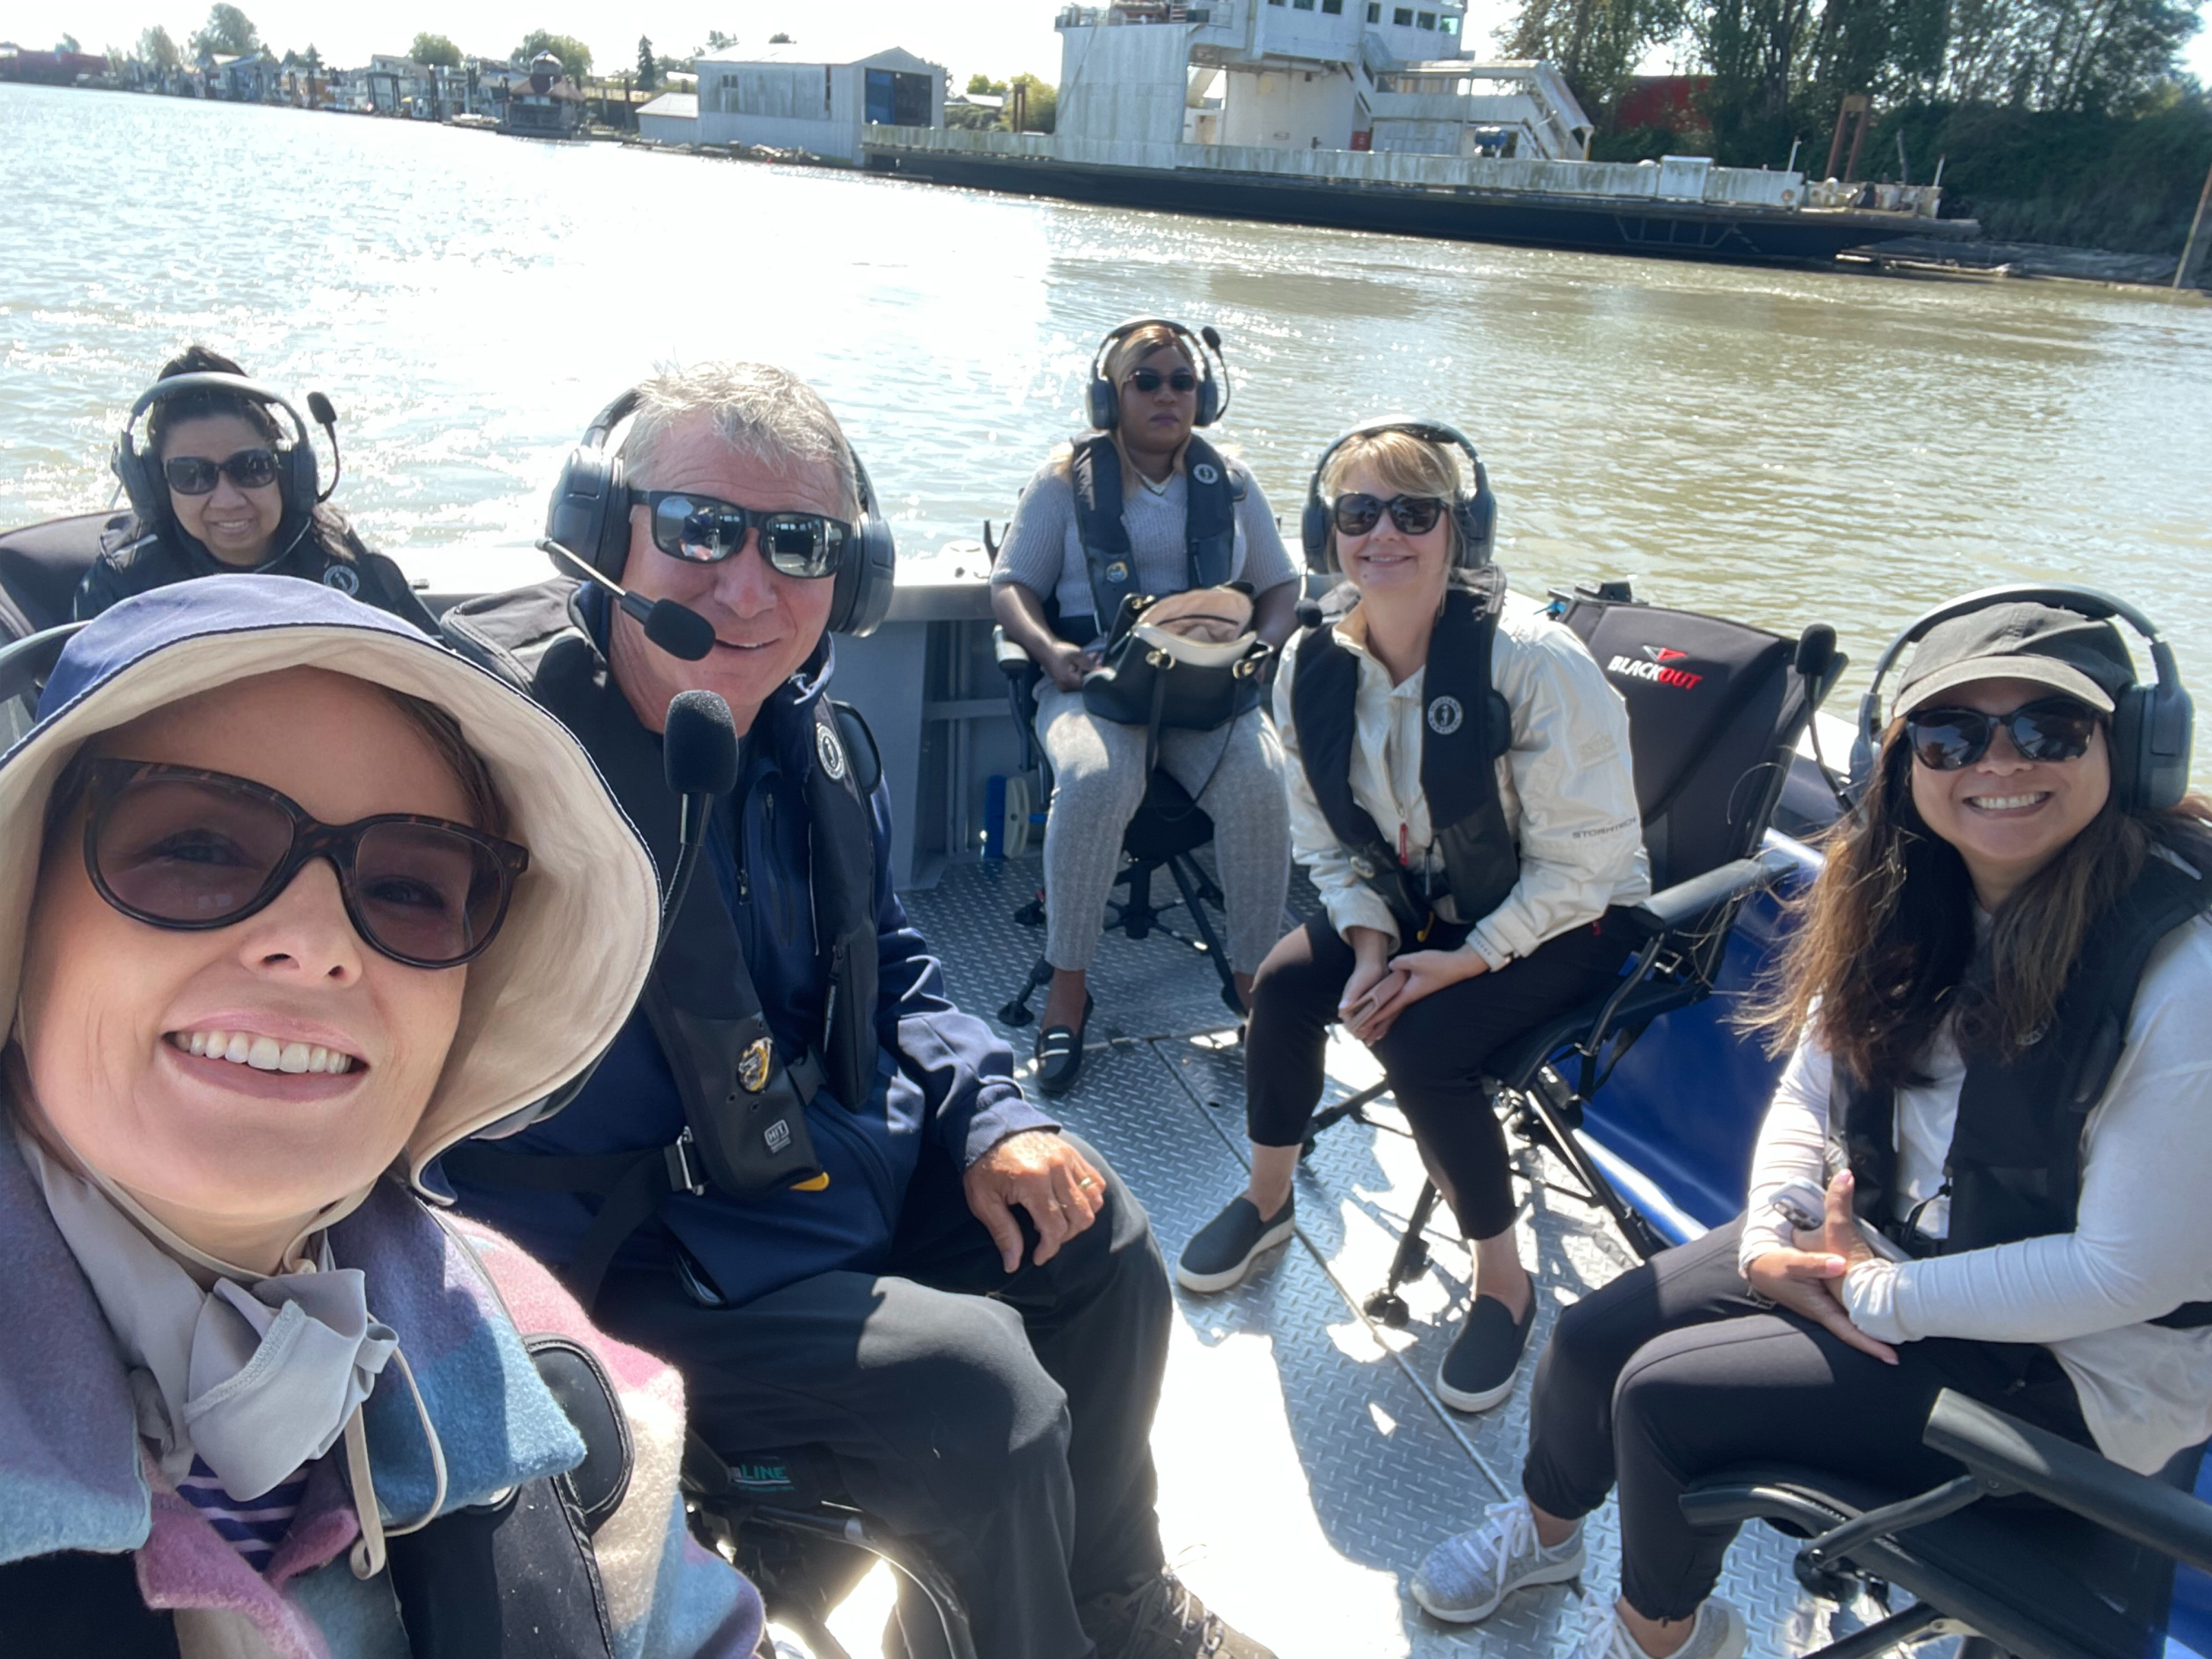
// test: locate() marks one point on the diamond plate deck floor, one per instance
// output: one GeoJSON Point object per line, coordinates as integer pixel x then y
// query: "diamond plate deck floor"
{"type": "Point", "coordinates": [1305, 1466]}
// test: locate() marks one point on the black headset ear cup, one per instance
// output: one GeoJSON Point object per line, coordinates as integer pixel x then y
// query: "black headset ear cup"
{"type": "Point", "coordinates": [148, 495]}
{"type": "Point", "coordinates": [2150, 744]}
{"type": "Point", "coordinates": [1478, 522]}
{"type": "Point", "coordinates": [589, 514]}
{"type": "Point", "coordinates": [1102, 404]}
{"type": "Point", "coordinates": [302, 481]}
{"type": "Point", "coordinates": [869, 572]}
{"type": "Point", "coordinates": [1209, 400]}
{"type": "Point", "coordinates": [1313, 530]}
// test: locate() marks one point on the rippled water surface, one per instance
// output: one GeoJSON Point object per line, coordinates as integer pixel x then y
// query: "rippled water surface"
{"type": "Point", "coordinates": [1780, 446]}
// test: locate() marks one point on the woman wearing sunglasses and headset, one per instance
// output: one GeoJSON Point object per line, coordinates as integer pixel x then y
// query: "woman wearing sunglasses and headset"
{"type": "Point", "coordinates": [1930, 1207]}
{"type": "Point", "coordinates": [223, 503]}
{"type": "Point", "coordinates": [1467, 834]}
{"type": "Point", "coordinates": [1045, 592]}
{"type": "Point", "coordinates": [289, 910]}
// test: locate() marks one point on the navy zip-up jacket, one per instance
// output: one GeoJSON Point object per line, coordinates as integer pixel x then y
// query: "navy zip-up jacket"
{"type": "Point", "coordinates": [940, 1071]}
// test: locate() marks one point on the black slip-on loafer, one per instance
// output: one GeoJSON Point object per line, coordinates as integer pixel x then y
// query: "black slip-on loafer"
{"type": "Point", "coordinates": [1060, 1054]}
{"type": "Point", "coordinates": [1480, 1367]}
{"type": "Point", "coordinates": [1221, 1252]}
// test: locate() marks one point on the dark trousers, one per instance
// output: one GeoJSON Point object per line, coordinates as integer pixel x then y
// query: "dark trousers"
{"type": "Point", "coordinates": [1434, 1056]}
{"type": "Point", "coordinates": [1674, 1371]}
{"type": "Point", "coordinates": [1002, 1421]}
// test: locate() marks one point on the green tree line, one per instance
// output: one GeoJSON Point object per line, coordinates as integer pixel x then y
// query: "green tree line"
{"type": "Point", "coordinates": [2057, 119]}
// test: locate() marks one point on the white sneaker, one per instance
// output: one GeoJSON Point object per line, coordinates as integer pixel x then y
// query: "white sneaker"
{"type": "Point", "coordinates": [1466, 1578]}
{"type": "Point", "coordinates": [1718, 1633]}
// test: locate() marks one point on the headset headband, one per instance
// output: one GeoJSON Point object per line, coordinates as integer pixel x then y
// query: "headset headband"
{"type": "Point", "coordinates": [1472, 506]}
{"type": "Point", "coordinates": [604, 424]}
{"type": "Point", "coordinates": [1429, 432]}
{"type": "Point", "coordinates": [2169, 742]}
{"type": "Point", "coordinates": [1205, 351]}
{"type": "Point", "coordinates": [2091, 602]}
{"type": "Point", "coordinates": [178, 385]}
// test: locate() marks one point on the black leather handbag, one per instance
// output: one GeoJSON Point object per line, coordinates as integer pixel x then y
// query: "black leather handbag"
{"type": "Point", "coordinates": [1190, 660]}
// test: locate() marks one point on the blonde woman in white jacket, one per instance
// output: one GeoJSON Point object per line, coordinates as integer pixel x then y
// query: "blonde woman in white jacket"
{"type": "Point", "coordinates": [1461, 795]}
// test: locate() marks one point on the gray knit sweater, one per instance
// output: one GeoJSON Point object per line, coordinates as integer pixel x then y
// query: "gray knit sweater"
{"type": "Point", "coordinates": [1044, 555]}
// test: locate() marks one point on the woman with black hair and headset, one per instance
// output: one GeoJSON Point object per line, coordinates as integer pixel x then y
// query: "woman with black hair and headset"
{"type": "Point", "coordinates": [1463, 800]}
{"type": "Point", "coordinates": [1142, 505]}
{"type": "Point", "coordinates": [2010, 923]}
{"type": "Point", "coordinates": [218, 488]}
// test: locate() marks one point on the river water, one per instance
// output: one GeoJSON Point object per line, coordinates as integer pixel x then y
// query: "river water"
{"type": "Point", "coordinates": [1780, 446]}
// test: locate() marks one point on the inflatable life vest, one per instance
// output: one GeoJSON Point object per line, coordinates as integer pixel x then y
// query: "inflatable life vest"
{"type": "Point", "coordinates": [2013, 1168]}
{"type": "Point", "coordinates": [745, 1102]}
{"type": "Point", "coordinates": [1209, 527]}
{"type": "Point", "coordinates": [1468, 727]}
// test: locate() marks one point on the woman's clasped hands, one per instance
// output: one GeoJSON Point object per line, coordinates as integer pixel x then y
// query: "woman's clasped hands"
{"type": "Point", "coordinates": [1808, 1280]}
{"type": "Point", "coordinates": [1383, 987]}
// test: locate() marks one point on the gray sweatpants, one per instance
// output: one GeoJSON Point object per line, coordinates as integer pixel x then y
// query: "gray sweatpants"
{"type": "Point", "coordinates": [1235, 774]}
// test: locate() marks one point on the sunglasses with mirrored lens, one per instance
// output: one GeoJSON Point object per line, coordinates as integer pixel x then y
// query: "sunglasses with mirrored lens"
{"type": "Point", "coordinates": [700, 530]}
{"type": "Point", "coordinates": [180, 848]}
{"type": "Point", "coordinates": [1150, 379]}
{"type": "Point", "coordinates": [1414, 515]}
{"type": "Point", "coordinates": [2051, 729]}
{"type": "Point", "coordinates": [193, 475]}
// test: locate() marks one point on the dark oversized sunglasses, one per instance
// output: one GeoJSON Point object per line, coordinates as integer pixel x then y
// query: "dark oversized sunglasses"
{"type": "Point", "coordinates": [180, 848]}
{"type": "Point", "coordinates": [700, 530]}
{"type": "Point", "coordinates": [193, 475]}
{"type": "Point", "coordinates": [1357, 514]}
{"type": "Point", "coordinates": [1150, 379]}
{"type": "Point", "coordinates": [2049, 729]}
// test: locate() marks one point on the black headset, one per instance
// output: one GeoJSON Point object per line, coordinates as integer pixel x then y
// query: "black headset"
{"type": "Point", "coordinates": [1476, 515]}
{"type": "Point", "coordinates": [589, 514]}
{"type": "Point", "coordinates": [140, 470]}
{"type": "Point", "coordinates": [2151, 724]}
{"type": "Point", "coordinates": [1102, 400]}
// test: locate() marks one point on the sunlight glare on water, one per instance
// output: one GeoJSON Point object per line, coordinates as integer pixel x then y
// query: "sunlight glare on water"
{"type": "Point", "coordinates": [1781, 445]}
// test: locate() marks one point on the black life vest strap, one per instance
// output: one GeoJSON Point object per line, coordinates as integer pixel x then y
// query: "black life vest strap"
{"type": "Point", "coordinates": [2013, 1170]}
{"type": "Point", "coordinates": [1209, 525]}
{"type": "Point", "coordinates": [744, 1100]}
{"type": "Point", "coordinates": [1468, 726]}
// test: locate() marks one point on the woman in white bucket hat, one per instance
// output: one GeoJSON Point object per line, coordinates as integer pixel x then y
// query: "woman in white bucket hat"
{"type": "Point", "coordinates": [289, 906]}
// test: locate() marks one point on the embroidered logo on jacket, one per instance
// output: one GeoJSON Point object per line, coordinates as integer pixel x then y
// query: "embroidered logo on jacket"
{"type": "Point", "coordinates": [1446, 716]}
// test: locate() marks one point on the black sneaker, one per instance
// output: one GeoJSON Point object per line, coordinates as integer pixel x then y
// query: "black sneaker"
{"type": "Point", "coordinates": [1478, 1371]}
{"type": "Point", "coordinates": [1222, 1252]}
{"type": "Point", "coordinates": [1162, 1619]}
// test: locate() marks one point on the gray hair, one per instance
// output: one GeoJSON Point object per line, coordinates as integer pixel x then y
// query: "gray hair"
{"type": "Point", "coordinates": [765, 413]}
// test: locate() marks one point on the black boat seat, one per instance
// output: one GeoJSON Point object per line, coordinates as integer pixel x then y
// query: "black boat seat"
{"type": "Point", "coordinates": [2042, 1547]}
{"type": "Point", "coordinates": [42, 564]}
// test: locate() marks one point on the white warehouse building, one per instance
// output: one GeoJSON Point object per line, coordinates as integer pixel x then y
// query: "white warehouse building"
{"type": "Point", "coordinates": [788, 97]}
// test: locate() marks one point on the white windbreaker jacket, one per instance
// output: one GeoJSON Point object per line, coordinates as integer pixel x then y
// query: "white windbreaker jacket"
{"type": "Point", "coordinates": [1566, 788]}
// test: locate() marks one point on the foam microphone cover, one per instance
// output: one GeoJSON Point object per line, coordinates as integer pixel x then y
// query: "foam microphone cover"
{"type": "Point", "coordinates": [1308, 613]}
{"type": "Point", "coordinates": [319, 406]}
{"type": "Point", "coordinates": [699, 744]}
{"type": "Point", "coordinates": [679, 630]}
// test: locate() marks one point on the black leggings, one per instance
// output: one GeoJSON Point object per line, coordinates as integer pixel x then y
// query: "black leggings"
{"type": "Point", "coordinates": [1434, 1055]}
{"type": "Point", "coordinates": [1672, 1371]}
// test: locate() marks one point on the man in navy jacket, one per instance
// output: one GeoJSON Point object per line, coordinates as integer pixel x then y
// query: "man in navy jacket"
{"type": "Point", "coordinates": [962, 1304]}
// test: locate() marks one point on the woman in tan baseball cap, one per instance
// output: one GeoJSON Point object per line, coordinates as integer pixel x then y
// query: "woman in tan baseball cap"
{"type": "Point", "coordinates": [2012, 924]}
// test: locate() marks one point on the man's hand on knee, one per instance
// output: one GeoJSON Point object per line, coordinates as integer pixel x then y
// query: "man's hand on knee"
{"type": "Point", "coordinates": [1043, 1174]}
